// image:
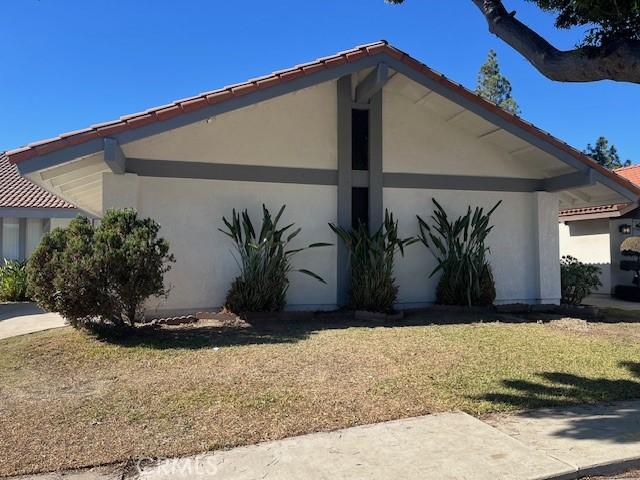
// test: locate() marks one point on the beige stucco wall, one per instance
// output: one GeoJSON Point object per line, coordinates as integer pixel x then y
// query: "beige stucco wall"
{"type": "Point", "coordinates": [191, 211]}
{"type": "Point", "coordinates": [417, 140]}
{"type": "Point", "coordinates": [524, 244]}
{"type": "Point", "coordinates": [300, 130]}
{"type": "Point", "coordinates": [589, 242]}
{"type": "Point", "coordinates": [513, 243]}
{"type": "Point", "coordinates": [294, 130]}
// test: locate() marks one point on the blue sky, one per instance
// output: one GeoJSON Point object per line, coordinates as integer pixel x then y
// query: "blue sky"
{"type": "Point", "coordinates": [69, 63]}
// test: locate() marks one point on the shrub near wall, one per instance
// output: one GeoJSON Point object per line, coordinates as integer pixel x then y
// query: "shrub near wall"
{"type": "Point", "coordinates": [264, 258]}
{"type": "Point", "coordinates": [100, 277]}
{"type": "Point", "coordinates": [577, 280]}
{"type": "Point", "coordinates": [459, 248]}
{"type": "Point", "coordinates": [371, 257]}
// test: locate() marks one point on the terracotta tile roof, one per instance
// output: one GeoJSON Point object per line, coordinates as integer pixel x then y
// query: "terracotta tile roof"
{"type": "Point", "coordinates": [631, 173]}
{"type": "Point", "coordinates": [593, 210]}
{"type": "Point", "coordinates": [17, 191]}
{"type": "Point", "coordinates": [203, 100]}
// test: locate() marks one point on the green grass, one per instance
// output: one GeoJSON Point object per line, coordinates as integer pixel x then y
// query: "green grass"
{"type": "Point", "coordinates": [70, 400]}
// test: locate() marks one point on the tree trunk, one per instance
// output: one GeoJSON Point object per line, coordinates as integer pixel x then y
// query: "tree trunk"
{"type": "Point", "coordinates": [619, 62]}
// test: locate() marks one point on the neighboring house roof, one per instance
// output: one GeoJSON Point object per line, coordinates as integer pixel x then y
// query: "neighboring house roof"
{"type": "Point", "coordinates": [632, 174]}
{"type": "Point", "coordinates": [17, 191]}
{"type": "Point", "coordinates": [179, 107]}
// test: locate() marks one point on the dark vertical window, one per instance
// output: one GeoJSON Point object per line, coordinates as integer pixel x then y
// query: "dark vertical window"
{"type": "Point", "coordinates": [359, 206]}
{"type": "Point", "coordinates": [359, 139]}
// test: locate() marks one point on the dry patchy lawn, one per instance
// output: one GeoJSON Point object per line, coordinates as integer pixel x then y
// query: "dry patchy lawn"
{"type": "Point", "coordinates": [70, 400]}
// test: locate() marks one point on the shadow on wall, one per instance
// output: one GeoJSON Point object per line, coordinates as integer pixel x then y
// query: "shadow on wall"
{"type": "Point", "coordinates": [567, 390]}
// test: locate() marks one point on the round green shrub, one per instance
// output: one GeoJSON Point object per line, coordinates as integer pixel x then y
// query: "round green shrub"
{"type": "Point", "coordinates": [100, 276]}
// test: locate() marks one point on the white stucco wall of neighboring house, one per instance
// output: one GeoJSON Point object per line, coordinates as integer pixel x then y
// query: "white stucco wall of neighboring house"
{"type": "Point", "coordinates": [618, 276]}
{"type": "Point", "coordinates": [59, 222]}
{"type": "Point", "coordinates": [34, 229]}
{"type": "Point", "coordinates": [589, 242]}
{"type": "Point", "coordinates": [294, 130]}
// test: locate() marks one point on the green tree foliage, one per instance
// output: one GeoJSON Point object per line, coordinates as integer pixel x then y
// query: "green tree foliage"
{"type": "Point", "coordinates": [606, 155]}
{"type": "Point", "coordinates": [608, 21]}
{"type": "Point", "coordinates": [100, 276]}
{"type": "Point", "coordinates": [494, 86]}
{"type": "Point", "coordinates": [264, 259]}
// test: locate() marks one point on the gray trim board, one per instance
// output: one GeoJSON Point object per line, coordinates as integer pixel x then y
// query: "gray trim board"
{"type": "Point", "coordinates": [223, 171]}
{"type": "Point", "coordinates": [569, 181]}
{"type": "Point", "coordinates": [599, 177]}
{"type": "Point", "coordinates": [1, 238]}
{"type": "Point", "coordinates": [22, 239]}
{"type": "Point", "coordinates": [461, 182]}
{"type": "Point", "coordinates": [359, 178]}
{"type": "Point", "coordinates": [46, 225]}
{"type": "Point", "coordinates": [345, 177]}
{"type": "Point", "coordinates": [372, 83]}
{"type": "Point", "coordinates": [114, 156]}
{"type": "Point", "coordinates": [39, 212]}
{"type": "Point", "coordinates": [360, 106]}
{"type": "Point", "coordinates": [375, 163]}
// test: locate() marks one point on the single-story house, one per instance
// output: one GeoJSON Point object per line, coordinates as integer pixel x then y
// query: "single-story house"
{"type": "Point", "coordinates": [593, 234]}
{"type": "Point", "coordinates": [27, 211]}
{"type": "Point", "coordinates": [338, 139]}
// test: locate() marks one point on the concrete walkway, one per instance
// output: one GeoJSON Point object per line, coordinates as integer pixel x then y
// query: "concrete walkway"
{"type": "Point", "coordinates": [545, 444]}
{"type": "Point", "coordinates": [22, 318]}
{"type": "Point", "coordinates": [586, 437]}
{"type": "Point", "coordinates": [607, 301]}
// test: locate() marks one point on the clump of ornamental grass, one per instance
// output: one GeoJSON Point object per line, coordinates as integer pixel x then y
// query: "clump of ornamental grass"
{"type": "Point", "coordinates": [264, 259]}
{"type": "Point", "coordinates": [371, 256]}
{"type": "Point", "coordinates": [461, 253]}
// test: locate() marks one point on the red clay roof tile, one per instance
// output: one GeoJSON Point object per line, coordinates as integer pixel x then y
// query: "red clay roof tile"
{"type": "Point", "coordinates": [17, 191]}
{"type": "Point", "coordinates": [631, 173]}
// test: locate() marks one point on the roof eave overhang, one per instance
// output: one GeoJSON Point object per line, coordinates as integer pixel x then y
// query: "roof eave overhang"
{"type": "Point", "coordinates": [47, 156]}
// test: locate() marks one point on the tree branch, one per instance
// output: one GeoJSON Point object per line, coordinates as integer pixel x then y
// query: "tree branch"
{"type": "Point", "coordinates": [619, 62]}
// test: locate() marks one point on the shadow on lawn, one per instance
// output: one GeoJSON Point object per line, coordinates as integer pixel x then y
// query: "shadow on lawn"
{"type": "Point", "coordinates": [563, 389]}
{"type": "Point", "coordinates": [619, 422]}
{"type": "Point", "coordinates": [273, 331]}
{"type": "Point", "coordinates": [194, 338]}
{"type": "Point", "coordinates": [286, 330]}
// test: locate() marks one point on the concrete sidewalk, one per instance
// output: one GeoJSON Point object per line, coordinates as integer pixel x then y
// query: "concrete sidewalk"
{"type": "Point", "coordinates": [589, 438]}
{"type": "Point", "coordinates": [544, 444]}
{"type": "Point", "coordinates": [25, 317]}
